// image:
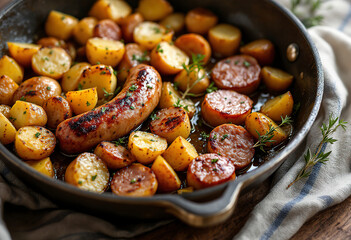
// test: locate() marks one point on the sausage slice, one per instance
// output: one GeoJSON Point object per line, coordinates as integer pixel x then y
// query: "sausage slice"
{"type": "Point", "coordinates": [107, 29]}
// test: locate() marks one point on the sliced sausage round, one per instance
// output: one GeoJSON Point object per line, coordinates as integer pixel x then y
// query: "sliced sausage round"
{"type": "Point", "coordinates": [233, 142]}
{"type": "Point", "coordinates": [135, 180]}
{"type": "Point", "coordinates": [209, 170]}
{"type": "Point", "coordinates": [240, 73]}
{"type": "Point", "coordinates": [107, 29]}
{"type": "Point", "coordinates": [225, 106]}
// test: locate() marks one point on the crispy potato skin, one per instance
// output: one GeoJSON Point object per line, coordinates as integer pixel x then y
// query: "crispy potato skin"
{"type": "Point", "coordinates": [262, 49]}
{"type": "Point", "coordinates": [84, 29]}
{"type": "Point", "coordinates": [224, 39]}
{"type": "Point", "coordinates": [116, 118]}
{"type": "Point", "coordinates": [276, 80]}
{"type": "Point", "coordinates": [135, 180]}
{"type": "Point", "coordinates": [44, 166]}
{"type": "Point", "coordinates": [154, 10]}
{"type": "Point", "coordinates": [279, 107]}
{"type": "Point", "coordinates": [37, 90]}
{"type": "Point", "coordinates": [70, 79]}
{"type": "Point", "coordinates": [57, 110]}
{"type": "Point", "coordinates": [115, 10]}
{"type": "Point", "coordinates": [82, 101]}
{"type": "Point", "coordinates": [10, 68]}
{"type": "Point", "coordinates": [200, 20]}
{"type": "Point", "coordinates": [23, 52]}
{"type": "Point", "coordinates": [60, 25]}
{"type": "Point", "coordinates": [7, 89]}
{"type": "Point", "coordinates": [27, 114]}
{"type": "Point", "coordinates": [7, 130]}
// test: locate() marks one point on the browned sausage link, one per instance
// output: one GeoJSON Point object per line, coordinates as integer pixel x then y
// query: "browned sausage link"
{"type": "Point", "coordinates": [107, 29]}
{"type": "Point", "coordinates": [136, 101]}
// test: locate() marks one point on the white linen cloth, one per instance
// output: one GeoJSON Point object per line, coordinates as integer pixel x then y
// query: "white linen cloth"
{"type": "Point", "coordinates": [283, 211]}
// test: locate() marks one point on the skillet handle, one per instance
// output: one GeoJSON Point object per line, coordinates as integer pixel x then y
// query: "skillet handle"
{"type": "Point", "coordinates": [206, 214]}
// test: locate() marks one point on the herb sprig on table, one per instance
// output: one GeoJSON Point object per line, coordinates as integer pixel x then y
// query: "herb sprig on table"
{"type": "Point", "coordinates": [312, 6]}
{"type": "Point", "coordinates": [319, 156]}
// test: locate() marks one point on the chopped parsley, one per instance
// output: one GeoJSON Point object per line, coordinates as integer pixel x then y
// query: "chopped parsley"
{"type": "Point", "coordinates": [214, 160]}
{"type": "Point", "coordinates": [132, 107]}
{"type": "Point", "coordinates": [157, 30]}
{"type": "Point", "coordinates": [93, 177]}
{"type": "Point", "coordinates": [121, 141]}
{"type": "Point", "coordinates": [12, 119]}
{"type": "Point", "coordinates": [149, 86]}
{"type": "Point", "coordinates": [133, 181]}
{"type": "Point", "coordinates": [133, 88]}
{"type": "Point", "coordinates": [159, 49]}
{"type": "Point", "coordinates": [178, 104]}
{"type": "Point", "coordinates": [37, 134]}
{"type": "Point", "coordinates": [103, 109]}
{"type": "Point", "coordinates": [153, 116]}
{"type": "Point", "coordinates": [80, 87]}
{"type": "Point", "coordinates": [211, 88]}
{"type": "Point", "coordinates": [224, 137]}
{"type": "Point", "coordinates": [106, 93]}
{"type": "Point", "coordinates": [128, 94]}
{"type": "Point", "coordinates": [48, 88]}
{"type": "Point", "coordinates": [142, 58]}
{"type": "Point", "coordinates": [88, 103]}
{"type": "Point", "coordinates": [215, 169]}
{"type": "Point", "coordinates": [80, 182]}
{"type": "Point", "coordinates": [204, 136]}
{"type": "Point", "coordinates": [23, 98]}
{"type": "Point", "coordinates": [247, 64]}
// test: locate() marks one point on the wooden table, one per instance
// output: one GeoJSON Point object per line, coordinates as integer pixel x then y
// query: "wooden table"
{"type": "Point", "coordinates": [332, 223]}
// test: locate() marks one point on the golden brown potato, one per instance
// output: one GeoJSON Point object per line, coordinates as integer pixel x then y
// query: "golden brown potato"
{"type": "Point", "coordinates": [37, 90]}
{"type": "Point", "coordinates": [51, 62]}
{"type": "Point", "coordinates": [22, 52]}
{"type": "Point", "coordinates": [279, 107]}
{"type": "Point", "coordinates": [115, 10]}
{"type": "Point", "coordinates": [180, 153]}
{"type": "Point", "coordinates": [84, 29]}
{"type": "Point", "coordinates": [70, 79]}
{"type": "Point", "coordinates": [44, 166]}
{"type": "Point", "coordinates": [5, 110]}
{"type": "Point", "coordinates": [7, 130]}
{"type": "Point", "coordinates": [175, 21]}
{"type": "Point", "coordinates": [196, 81]}
{"type": "Point", "coordinates": [114, 156]}
{"type": "Point", "coordinates": [276, 80]}
{"type": "Point", "coordinates": [27, 114]}
{"type": "Point", "coordinates": [167, 178]}
{"type": "Point", "coordinates": [200, 20]}
{"type": "Point", "coordinates": [145, 146]}
{"type": "Point", "coordinates": [57, 110]}
{"type": "Point", "coordinates": [104, 51]}
{"type": "Point", "coordinates": [225, 39]}
{"type": "Point", "coordinates": [262, 50]}
{"type": "Point", "coordinates": [128, 24]}
{"type": "Point", "coordinates": [60, 25]}
{"type": "Point", "coordinates": [7, 89]}
{"type": "Point", "coordinates": [10, 68]}
{"type": "Point", "coordinates": [171, 123]}
{"type": "Point", "coordinates": [194, 44]}
{"type": "Point", "coordinates": [88, 172]}
{"type": "Point", "coordinates": [154, 10]}
{"type": "Point", "coordinates": [83, 100]}
{"type": "Point", "coordinates": [259, 124]}
{"type": "Point", "coordinates": [34, 143]}
{"type": "Point", "coordinates": [168, 59]}
{"type": "Point", "coordinates": [135, 180]}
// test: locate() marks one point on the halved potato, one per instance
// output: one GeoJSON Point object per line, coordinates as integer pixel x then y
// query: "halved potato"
{"type": "Point", "coordinates": [7, 89]}
{"type": "Point", "coordinates": [145, 146]}
{"type": "Point", "coordinates": [84, 30]}
{"type": "Point", "coordinates": [83, 100]}
{"type": "Point", "coordinates": [175, 21]}
{"type": "Point", "coordinates": [104, 51]}
{"type": "Point", "coordinates": [149, 34]}
{"type": "Point", "coordinates": [276, 80]}
{"type": "Point", "coordinates": [110, 9]}
{"type": "Point", "coordinates": [70, 79]}
{"type": "Point", "coordinates": [196, 81]}
{"type": "Point", "coordinates": [23, 52]}
{"type": "Point", "coordinates": [27, 114]}
{"type": "Point", "coordinates": [43, 166]}
{"type": "Point", "coordinates": [7, 130]}
{"type": "Point", "coordinates": [4, 109]}
{"type": "Point", "coordinates": [60, 25]}
{"type": "Point", "coordinates": [262, 50]}
{"type": "Point", "coordinates": [88, 172]}
{"type": "Point", "coordinates": [51, 62]}
{"type": "Point", "coordinates": [34, 143]}
{"type": "Point", "coordinates": [167, 178]}
{"type": "Point", "coordinates": [154, 10]}
{"type": "Point", "coordinates": [224, 39]}
{"type": "Point", "coordinates": [168, 59]}
{"type": "Point", "coordinates": [180, 153]}
{"type": "Point", "coordinates": [279, 107]}
{"type": "Point", "coordinates": [200, 20]}
{"type": "Point", "coordinates": [57, 110]}
{"type": "Point", "coordinates": [10, 68]}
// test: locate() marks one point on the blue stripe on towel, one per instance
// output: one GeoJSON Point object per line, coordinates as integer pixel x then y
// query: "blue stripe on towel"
{"type": "Point", "coordinates": [328, 200]}
{"type": "Point", "coordinates": [346, 20]}
{"type": "Point", "coordinates": [288, 206]}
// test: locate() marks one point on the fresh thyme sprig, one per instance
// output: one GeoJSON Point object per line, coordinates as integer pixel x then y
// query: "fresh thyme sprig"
{"type": "Point", "coordinates": [267, 137]}
{"type": "Point", "coordinates": [195, 67]}
{"type": "Point", "coordinates": [312, 6]}
{"type": "Point", "coordinates": [319, 155]}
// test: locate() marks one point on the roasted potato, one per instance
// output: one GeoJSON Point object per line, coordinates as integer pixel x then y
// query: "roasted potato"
{"type": "Point", "coordinates": [70, 79]}
{"type": "Point", "coordinates": [149, 34]}
{"type": "Point", "coordinates": [60, 25]}
{"type": "Point", "coordinates": [278, 107]}
{"type": "Point", "coordinates": [259, 124]}
{"type": "Point", "coordinates": [51, 62]}
{"type": "Point", "coordinates": [44, 166]}
{"type": "Point", "coordinates": [171, 123]}
{"type": "Point", "coordinates": [200, 20]}
{"type": "Point", "coordinates": [115, 10]}
{"type": "Point", "coordinates": [175, 21]}
{"type": "Point", "coordinates": [154, 10]}
{"type": "Point", "coordinates": [128, 24]}
{"type": "Point", "coordinates": [34, 143]}
{"type": "Point", "coordinates": [180, 153]}
{"type": "Point", "coordinates": [276, 80]}
{"type": "Point", "coordinates": [7, 89]}
{"type": "Point", "coordinates": [27, 114]}
{"type": "Point", "coordinates": [196, 81]}
{"type": "Point", "coordinates": [167, 178]}
{"type": "Point", "coordinates": [4, 109]}
{"type": "Point", "coordinates": [168, 59]}
{"type": "Point", "coordinates": [83, 100]}
{"type": "Point", "coordinates": [145, 146]}
{"type": "Point", "coordinates": [225, 39]}
{"type": "Point", "coordinates": [262, 50]}
{"type": "Point", "coordinates": [10, 68]}
{"type": "Point", "coordinates": [7, 130]}
{"type": "Point", "coordinates": [88, 172]}
{"type": "Point", "coordinates": [57, 110]}
{"type": "Point", "coordinates": [114, 156]}
{"type": "Point", "coordinates": [84, 30]}
{"type": "Point", "coordinates": [37, 90]}
{"type": "Point", "coordinates": [22, 52]}
{"type": "Point", "coordinates": [104, 51]}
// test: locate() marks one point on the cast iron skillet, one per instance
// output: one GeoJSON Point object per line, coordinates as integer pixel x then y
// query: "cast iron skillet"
{"type": "Point", "coordinates": [23, 20]}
